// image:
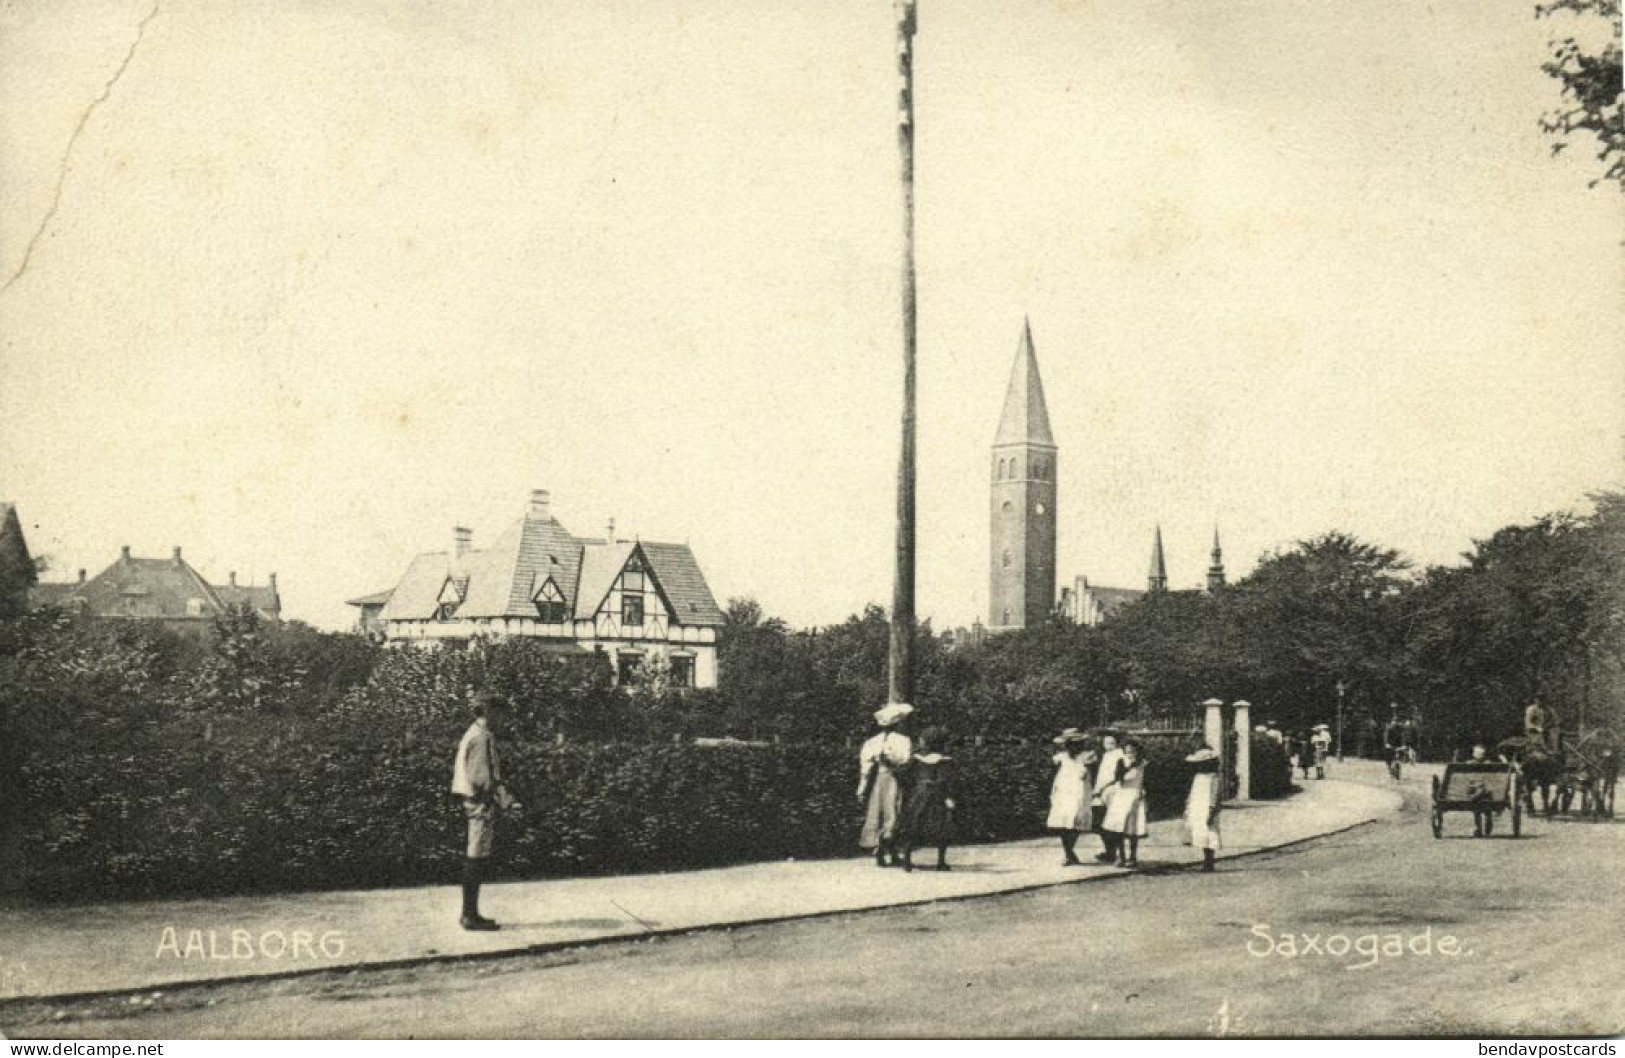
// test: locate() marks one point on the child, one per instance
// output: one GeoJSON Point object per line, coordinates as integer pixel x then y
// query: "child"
{"type": "Point", "coordinates": [1202, 804]}
{"type": "Point", "coordinates": [1125, 808]}
{"type": "Point", "coordinates": [928, 810]}
{"type": "Point", "coordinates": [1069, 812]}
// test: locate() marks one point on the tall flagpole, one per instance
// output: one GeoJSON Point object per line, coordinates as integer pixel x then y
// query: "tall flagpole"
{"type": "Point", "coordinates": [900, 658]}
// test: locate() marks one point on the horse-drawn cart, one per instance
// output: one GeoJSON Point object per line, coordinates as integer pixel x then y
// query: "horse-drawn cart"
{"type": "Point", "coordinates": [1485, 788]}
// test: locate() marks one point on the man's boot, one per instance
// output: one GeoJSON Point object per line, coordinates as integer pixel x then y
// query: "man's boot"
{"type": "Point", "coordinates": [472, 919]}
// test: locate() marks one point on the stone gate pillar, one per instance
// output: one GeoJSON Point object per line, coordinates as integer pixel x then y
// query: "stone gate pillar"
{"type": "Point", "coordinates": [1244, 750]}
{"type": "Point", "coordinates": [1213, 724]}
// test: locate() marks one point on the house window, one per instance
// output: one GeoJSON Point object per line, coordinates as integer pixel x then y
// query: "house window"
{"type": "Point", "coordinates": [627, 667]}
{"type": "Point", "coordinates": [444, 611]}
{"type": "Point", "coordinates": [632, 587]}
{"type": "Point", "coordinates": [550, 604]}
{"type": "Point", "coordinates": [682, 670]}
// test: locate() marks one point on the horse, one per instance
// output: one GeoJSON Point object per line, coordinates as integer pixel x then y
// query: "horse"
{"type": "Point", "coordinates": [1544, 771]}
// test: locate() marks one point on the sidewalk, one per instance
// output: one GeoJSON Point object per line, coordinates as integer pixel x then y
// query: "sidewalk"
{"type": "Point", "coordinates": [57, 951]}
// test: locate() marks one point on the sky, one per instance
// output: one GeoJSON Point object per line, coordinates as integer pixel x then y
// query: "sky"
{"type": "Point", "coordinates": [300, 287]}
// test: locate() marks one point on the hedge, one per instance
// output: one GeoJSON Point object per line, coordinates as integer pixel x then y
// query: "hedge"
{"type": "Point", "coordinates": [255, 810]}
{"type": "Point", "coordinates": [139, 763]}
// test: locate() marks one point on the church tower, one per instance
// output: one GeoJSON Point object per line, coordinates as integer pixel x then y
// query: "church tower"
{"type": "Point", "coordinates": [1021, 591]}
{"type": "Point", "coordinates": [1215, 569]}
{"type": "Point", "coordinates": [1158, 580]}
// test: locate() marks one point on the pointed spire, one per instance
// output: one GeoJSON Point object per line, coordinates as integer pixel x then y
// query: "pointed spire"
{"type": "Point", "coordinates": [1159, 567]}
{"type": "Point", "coordinates": [1215, 571]}
{"type": "Point", "coordinates": [1026, 416]}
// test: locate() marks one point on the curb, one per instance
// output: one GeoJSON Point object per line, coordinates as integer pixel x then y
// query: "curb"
{"type": "Point", "coordinates": [546, 947]}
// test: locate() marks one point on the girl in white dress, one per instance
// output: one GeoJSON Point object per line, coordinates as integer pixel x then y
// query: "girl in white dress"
{"type": "Point", "coordinates": [1202, 805]}
{"type": "Point", "coordinates": [1069, 791]}
{"type": "Point", "coordinates": [1125, 821]}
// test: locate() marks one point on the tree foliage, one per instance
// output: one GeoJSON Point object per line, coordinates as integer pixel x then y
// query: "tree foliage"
{"type": "Point", "coordinates": [1593, 97]}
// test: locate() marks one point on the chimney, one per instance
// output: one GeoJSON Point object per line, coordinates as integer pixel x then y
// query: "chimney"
{"type": "Point", "coordinates": [177, 555]}
{"type": "Point", "coordinates": [273, 582]}
{"type": "Point", "coordinates": [81, 576]}
{"type": "Point", "coordinates": [126, 556]}
{"type": "Point", "coordinates": [609, 531]}
{"type": "Point", "coordinates": [461, 541]}
{"type": "Point", "coordinates": [539, 503]}
{"type": "Point", "coordinates": [232, 578]}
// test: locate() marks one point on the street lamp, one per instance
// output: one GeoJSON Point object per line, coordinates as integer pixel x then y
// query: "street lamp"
{"type": "Point", "coordinates": [1341, 688]}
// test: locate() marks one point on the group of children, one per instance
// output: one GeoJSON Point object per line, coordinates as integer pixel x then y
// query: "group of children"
{"type": "Point", "coordinates": [908, 796]}
{"type": "Point", "coordinates": [1104, 792]}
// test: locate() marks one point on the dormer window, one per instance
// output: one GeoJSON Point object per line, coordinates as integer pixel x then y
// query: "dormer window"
{"type": "Point", "coordinates": [549, 601]}
{"type": "Point", "coordinates": [632, 588]}
{"type": "Point", "coordinates": [445, 611]}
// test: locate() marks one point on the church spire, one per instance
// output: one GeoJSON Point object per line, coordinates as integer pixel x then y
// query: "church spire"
{"type": "Point", "coordinates": [1159, 567]}
{"type": "Point", "coordinates": [1026, 416]}
{"type": "Point", "coordinates": [1215, 570]}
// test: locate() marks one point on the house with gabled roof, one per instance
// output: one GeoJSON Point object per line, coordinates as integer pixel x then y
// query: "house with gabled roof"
{"type": "Point", "coordinates": [17, 569]}
{"type": "Point", "coordinates": [635, 600]}
{"type": "Point", "coordinates": [161, 589]}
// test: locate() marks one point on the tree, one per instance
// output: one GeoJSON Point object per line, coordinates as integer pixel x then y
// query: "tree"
{"type": "Point", "coordinates": [1592, 93]}
{"type": "Point", "coordinates": [1323, 612]}
{"type": "Point", "coordinates": [1537, 611]}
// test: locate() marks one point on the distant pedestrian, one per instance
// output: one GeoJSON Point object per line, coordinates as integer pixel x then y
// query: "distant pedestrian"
{"type": "Point", "coordinates": [1321, 743]}
{"type": "Point", "coordinates": [1071, 790]}
{"type": "Point", "coordinates": [928, 808]}
{"type": "Point", "coordinates": [1125, 823]}
{"type": "Point", "coordinates": [1202, 804]}
{"type": "Point", "coordinates": [882, 764]}
{"type": "Point", "coordinates": [476, 778]}
{"type": "Point", "coordinates": [1107, 770]}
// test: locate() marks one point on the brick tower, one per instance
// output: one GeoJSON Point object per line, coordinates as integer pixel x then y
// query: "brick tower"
{"type": "Point", "coordinates": [1021, 583]}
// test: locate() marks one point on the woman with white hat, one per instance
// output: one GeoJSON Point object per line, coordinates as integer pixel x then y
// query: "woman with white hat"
{"type": "Point", "coordinates": [881, 762]}
{"type": "Point", "coordinates": [1202, 804]}
{"type": "Point", "coordinates": [1069, 791]}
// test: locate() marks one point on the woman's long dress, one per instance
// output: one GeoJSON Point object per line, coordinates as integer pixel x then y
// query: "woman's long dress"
{"type": "Point", "coordinates": [1125, 804]}
{"type": "Point", "coordinates": [927, 819]}
{"type": "Point", "coordinates": [881, 762]}
{"type": "Point", "coordinates": [1069, 793]}
{"type": "Point", "coordinates": [1199, 809]}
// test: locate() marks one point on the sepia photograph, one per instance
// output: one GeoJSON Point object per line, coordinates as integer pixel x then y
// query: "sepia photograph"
{"type": "Point", "coordinates": [812, 519]}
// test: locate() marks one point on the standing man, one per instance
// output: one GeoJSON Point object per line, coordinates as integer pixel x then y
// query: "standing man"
{"type": "Point", "coordinates": [476, 777]}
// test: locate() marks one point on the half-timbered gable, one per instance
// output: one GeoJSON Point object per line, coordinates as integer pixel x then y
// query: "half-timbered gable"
{"type": "Point", "coordinates": [634, 600]}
